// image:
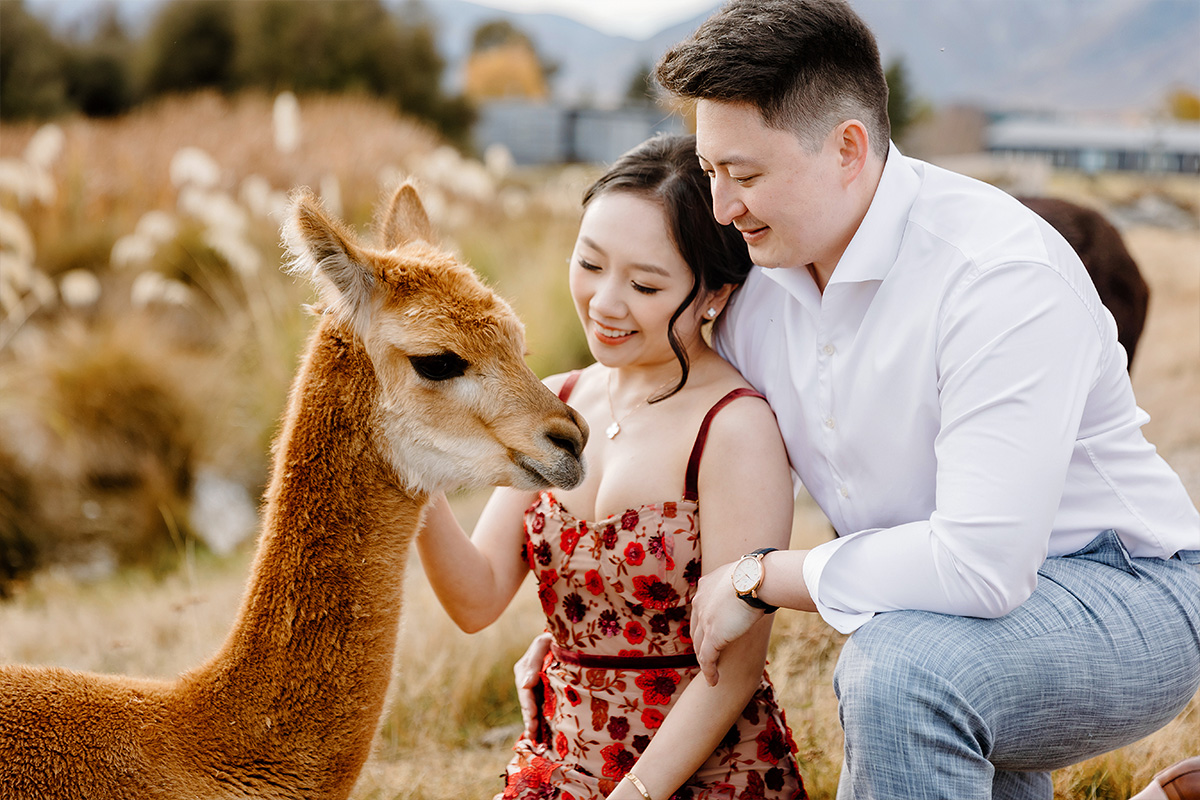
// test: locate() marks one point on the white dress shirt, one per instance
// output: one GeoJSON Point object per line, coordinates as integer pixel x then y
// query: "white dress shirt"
{"type": "Point", "coordinates": [956, 402]}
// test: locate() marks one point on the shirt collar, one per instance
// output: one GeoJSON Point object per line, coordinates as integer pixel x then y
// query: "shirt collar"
{"type": "Point", "coordinates": [873, 250]}
{"type": "Point", "coordinates": [876, 243]}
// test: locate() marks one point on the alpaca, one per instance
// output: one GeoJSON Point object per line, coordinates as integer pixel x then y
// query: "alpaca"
{"type": "Point", "coordinates": [1099, 246]}
{"type": "Point", "coordinates": [414, 381]}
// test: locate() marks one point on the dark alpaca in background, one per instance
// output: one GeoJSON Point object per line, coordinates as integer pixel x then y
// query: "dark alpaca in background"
{"type": "Point", "coordinates": [1120, 284]}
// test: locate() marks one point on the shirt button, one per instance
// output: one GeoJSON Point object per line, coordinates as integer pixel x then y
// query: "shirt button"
{"type": "Point", "coordinates": [828, 349]}
{"type": "Point", "coordinates": [844, 491]}
{"type": "Point", "coordinates": [829, 423]}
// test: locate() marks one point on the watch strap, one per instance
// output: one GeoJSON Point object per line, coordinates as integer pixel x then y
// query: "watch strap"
{"type": "Point", "coordinates": [754, 602]}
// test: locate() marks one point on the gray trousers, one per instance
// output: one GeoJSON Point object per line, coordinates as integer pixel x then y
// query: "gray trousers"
{"type": "Point", "coordinates": [1105, 652]}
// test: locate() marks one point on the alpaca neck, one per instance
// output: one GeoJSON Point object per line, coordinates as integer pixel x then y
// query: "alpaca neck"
{"type": "Point", "coordinates": [306, 668]}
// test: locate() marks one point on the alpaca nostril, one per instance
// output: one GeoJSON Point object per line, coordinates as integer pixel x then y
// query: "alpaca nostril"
{"type": "Point", "coordinates": [569, 434]}
{"type": "Point", "coordinates": [571, 444]}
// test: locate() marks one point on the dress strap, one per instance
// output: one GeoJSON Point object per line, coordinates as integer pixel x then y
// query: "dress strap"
{"type": "Point", "coordinates": [692, 481]}
{"type": "Point", "coordinates": [569, 384]}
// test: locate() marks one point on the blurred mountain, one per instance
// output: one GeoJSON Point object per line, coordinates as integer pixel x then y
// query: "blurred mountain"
{"type": "Point", "coordinates": [1045, 55]}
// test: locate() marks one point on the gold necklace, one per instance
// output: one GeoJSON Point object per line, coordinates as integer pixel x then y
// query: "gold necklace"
{"type": "Point", "coordinates": [612, 430]}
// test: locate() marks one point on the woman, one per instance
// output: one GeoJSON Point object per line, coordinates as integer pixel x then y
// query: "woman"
{"type": "Point", "coordinates": [618, 558]}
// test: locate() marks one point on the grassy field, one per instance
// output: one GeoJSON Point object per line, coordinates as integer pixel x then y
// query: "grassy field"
{"type": "Point", "coordinates": [217, 356]}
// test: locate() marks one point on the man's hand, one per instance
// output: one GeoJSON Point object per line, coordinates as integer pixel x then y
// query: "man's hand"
{"type": "Point", "coordinates": [719, 617]}
{"type": "Point", "coordinates": [528, 675]}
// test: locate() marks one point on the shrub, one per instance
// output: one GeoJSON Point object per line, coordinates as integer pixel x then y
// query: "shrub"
{"type": "Point", "coordinates": [191, 46]}
{"type": "Point", "coordinates": [32, 83]}
{"type": "Point", "coordinates": [18, 551]}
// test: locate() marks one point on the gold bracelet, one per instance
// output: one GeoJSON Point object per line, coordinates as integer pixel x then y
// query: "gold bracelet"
{"type": "Point", "coordinates": [637, 784]}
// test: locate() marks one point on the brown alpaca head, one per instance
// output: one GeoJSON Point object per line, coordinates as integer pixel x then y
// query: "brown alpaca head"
{"type": "Point", "coordinates": [457, 403]}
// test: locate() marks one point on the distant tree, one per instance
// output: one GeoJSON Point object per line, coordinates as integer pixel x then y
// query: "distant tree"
{"type": "Point", "coordinates": [301, 45]}
{"type": "Point", "coordinates": [325, 45]}
{"type": "Point", "coordinates": [306, 46]}
{"type": "Point", "coordinates": [509, 70]}
{"type": "Point", "coordinates": [901, 105]}
{"type": "Point", "coordinates": [498, 33]}
{"type": "Point", "coordinates": [191, 45]}
{"type": "Point", "coordinates": [349, 45]}
{"type": "Point", "coordinates": [905, 109]}
{"type": "Point", "coordinates": [416, 76]}
{"type": "Point", "coordinates": [31, 66]}
{"type": "Point", "coordinates": [99, 72]}
{"type": "Point", "coordinates": [1184, 105]}
{"type": "Point", "coordinates": [503, 35]}
{"type": "Point", "coordinates": [640, 90]}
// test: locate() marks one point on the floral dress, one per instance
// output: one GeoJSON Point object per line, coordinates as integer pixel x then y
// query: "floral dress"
{"type": "Point", "coordinates": [616, 595]}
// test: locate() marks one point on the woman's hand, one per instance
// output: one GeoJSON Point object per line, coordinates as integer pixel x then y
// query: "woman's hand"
{"type": "Point", "coordinates": [719, 617]}
{"type": "Point", "coordinates": [527, 673]}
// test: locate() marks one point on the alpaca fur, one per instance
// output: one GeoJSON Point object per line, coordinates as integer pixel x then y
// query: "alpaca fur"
{"type": "Point", "coordinates": [289, 706]}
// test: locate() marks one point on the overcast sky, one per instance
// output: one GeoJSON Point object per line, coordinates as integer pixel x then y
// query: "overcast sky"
{"type": "Point", "coordinates": [636, 19]}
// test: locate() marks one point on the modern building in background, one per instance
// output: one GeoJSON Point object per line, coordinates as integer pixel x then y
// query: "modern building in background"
{"type": "Point", "coordinates": [1099, 146]}
{"type": "Point", "coordinates": [545, 133]}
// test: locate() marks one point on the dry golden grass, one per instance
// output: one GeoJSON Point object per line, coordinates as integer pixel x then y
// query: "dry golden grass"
{"type": "Point", "coordinates": [452, 713]}
{"type": "Point", "coordinates": [114, 170]}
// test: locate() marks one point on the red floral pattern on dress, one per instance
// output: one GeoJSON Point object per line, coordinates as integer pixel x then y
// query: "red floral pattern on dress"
{"type": "Point", "coordinates": [755, 790]}
{"type": "Point", "coordinates": [617, 761]}
{"type": "Point", "coordinates": [622, 587]}
{"type": "Point", "coordinates": [547, 596]}
{"type": "Point", "coordinates": [618, 728]}
{"type": "Point", "coordinates": [652, 718]}
{"type": "Point", "coordinates": [570, 538]}
{"type": "Point", "coordinates": [535, 776]}
{"type": "Point", "coordinates": [600, 714]}
{"type": "Point", "coordinates": [662, 548]}
{"type": "Point", "coordinates": [658, 685]}
{"type": "Point", "coordinates": [593, 582]}
{"type": "Point", "coordinates": [653, 593]}
{"type": "Point", "coordinates": [773, 744]}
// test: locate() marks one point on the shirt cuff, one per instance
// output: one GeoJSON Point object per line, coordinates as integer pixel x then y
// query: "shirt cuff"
{"type": "Point", "coordinates": [841, 620]}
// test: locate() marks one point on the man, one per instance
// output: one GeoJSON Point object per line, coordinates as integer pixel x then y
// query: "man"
{"type": "Point", "coordinates": [1015, 561]}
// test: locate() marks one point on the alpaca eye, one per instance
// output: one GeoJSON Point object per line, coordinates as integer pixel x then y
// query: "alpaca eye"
{"type": "Point", "coordinates": [440, 367]}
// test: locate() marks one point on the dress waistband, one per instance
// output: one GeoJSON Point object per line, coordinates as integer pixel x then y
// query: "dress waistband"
{"type": "Point", "coordinates": [677, 661]}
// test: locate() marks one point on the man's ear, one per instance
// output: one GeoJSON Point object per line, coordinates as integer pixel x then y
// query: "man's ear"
{"type": "Point", "coordinates": [854, 145]}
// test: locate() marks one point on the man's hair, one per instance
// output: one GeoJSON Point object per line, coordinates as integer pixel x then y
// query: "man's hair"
{"type": "Point", "coordinates": [806, 65]}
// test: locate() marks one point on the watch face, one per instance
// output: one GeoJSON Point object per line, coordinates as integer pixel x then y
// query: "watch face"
{"type": "Point", "coordinates": [746, 575]}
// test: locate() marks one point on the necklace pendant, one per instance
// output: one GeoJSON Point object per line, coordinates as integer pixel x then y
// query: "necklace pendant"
{"type": "Point", "coordinates": [612, 430]}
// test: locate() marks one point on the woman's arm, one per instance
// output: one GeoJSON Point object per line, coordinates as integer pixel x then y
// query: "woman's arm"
{"type": "Point", "coordinates": [476, 577]}
{"type": "Point", "coordinates": [746, 503]}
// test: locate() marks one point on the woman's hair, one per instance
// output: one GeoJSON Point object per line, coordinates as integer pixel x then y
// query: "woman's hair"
{"type": "Point", "coordinates": [806, 65]}
{"type": "Point", "coordinates": [665, 170]}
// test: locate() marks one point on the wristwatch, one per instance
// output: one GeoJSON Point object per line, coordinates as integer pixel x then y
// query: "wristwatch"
{"type": "Point", "coordinates": [748, 576]}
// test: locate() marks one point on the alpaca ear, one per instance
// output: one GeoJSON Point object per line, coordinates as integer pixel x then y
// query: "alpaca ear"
{"type": "Point", "coordinates": [325, 252]}
{"type": "Point", "coordinates": [405, 219]}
